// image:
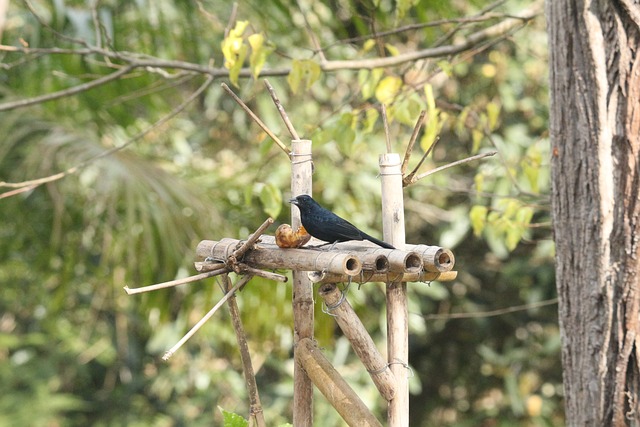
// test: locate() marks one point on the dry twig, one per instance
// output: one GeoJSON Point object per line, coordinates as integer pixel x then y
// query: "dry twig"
{"type": "Point", "coordinates": [256, 119]}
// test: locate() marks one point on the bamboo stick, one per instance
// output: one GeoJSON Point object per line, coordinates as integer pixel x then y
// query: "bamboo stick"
{"type": "Point", "coordinates": [342, 397]}
{"type": "Point", "coordinates": [272, 257]}
{"type": "Point", "coordinates": [301, 170]}
{"type": "Point", "coordinates": [256, 413]}
{"type": "Point", "coordinates": [367, 277]}
{"type": "Point", "coordinates": [360, 340]}
{"type": "Point", "coordinates": [397, 311]}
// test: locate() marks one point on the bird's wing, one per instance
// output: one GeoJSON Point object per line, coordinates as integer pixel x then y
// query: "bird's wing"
{"type": "Point", "coordinates": [330, 227]}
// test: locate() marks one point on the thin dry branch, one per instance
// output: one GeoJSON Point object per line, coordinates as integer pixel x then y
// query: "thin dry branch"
{"type": "Point", "coordinates": [241, 282]}
{"type": "Point", "coordinates": [11, 105]}
{"type": "Point", "coordinates": [450, 165]}
{"type": "Point", "coordinates": [173, 283]}
{"type": "Point", "coordinates": [36, 182]}
{"type": "Point", "coordinates": [256, 119]}
{"type": "Point", "coordinates": [412, 141]}
{"type": "Point", "coordinates": [144, 61]}
{"type": "Point", "coordinates": [490, 313]}
{"type": "Point", "coordinates": [255, 407]}
{"type": "Point", "coordinates": [406, 180]}
{"type": "Point", "coordinates": [281, 110]}
{"type": "Point", "coordinates": [385, 124]}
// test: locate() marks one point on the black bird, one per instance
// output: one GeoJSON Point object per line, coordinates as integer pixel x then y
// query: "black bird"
{"type": "Point", "coordinates": [323, 224]}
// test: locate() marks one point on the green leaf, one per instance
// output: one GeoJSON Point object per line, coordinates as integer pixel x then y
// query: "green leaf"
{"type": "Point", "coordinates": [478, 217]}
{"type": "Point", "coordinates": [524, 215]}
{"type": "Point", "coordinates": [388, 88]}
{"type": "Point", "coordinates": [368, 45]}
{"type": "Point", "coordinates": [303, 71]}
{"type": "Point", "coordinates": [232, 420]}
{"type": "Point", "coordinates": [479, 182]}
{"type": "Point", "coordinates": [476, 136]}
{"type": "Point", "coordinates": [493, 114]}
{"type": "Point", "coordinates": [271, 199]}
{"type": "Point", "coordinates": [259, 53]}
{"type": "Point", "coordinates": [392, 49]}
{"type": "Point", "coordinates": [513, 236]}
{"type": "Point", "coordinates": [402, 6]}
{"type": "Point", "coordinates": [368, 81]}
{"type": "Point", "coordinates": [371, 117]}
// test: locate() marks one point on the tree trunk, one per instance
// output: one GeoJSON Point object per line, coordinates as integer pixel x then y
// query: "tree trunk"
{"type": "Point", "coordinates": [595, 139]}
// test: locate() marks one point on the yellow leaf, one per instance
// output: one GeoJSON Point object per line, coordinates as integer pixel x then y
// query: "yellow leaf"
{"type": "Point", "coordinates": [478, 217]}
{"type": "Point", "coordinates": [234, 71]}
{"type": "Point", "coordinates": [368, 45]}
{"type": "Point", "coordinates": [306, 71]}
{"type": "Point", "coordinates": [259, 53]}
{"type": "Point", "coordinates": [392, 49]}
{"type": "Point", "coordinates": [238, 30]}
{"type": "Point", "coordinates": [388, 88]}
{"type": "Point", "coordinates": [493, 114]}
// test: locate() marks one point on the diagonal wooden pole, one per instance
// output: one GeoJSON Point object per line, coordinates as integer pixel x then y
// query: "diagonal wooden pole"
{"type": "Point", "coordinates": [397, 312]}
{"type": "Point", "coordinates": [301, 169]}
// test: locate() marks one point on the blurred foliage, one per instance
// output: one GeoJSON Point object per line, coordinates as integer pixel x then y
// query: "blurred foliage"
{"type": "Point", "coordinates": [75, 350]}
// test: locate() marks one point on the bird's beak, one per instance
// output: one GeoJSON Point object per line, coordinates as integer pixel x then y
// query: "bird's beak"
{"type": "Point", "coordinates": [293, 202]}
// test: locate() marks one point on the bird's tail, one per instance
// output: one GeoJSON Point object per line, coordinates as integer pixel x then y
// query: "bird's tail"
{"type": "Point", "coordinates": [376, 241]}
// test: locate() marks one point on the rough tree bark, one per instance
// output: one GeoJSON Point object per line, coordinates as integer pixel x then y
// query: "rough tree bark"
{"type": "Point", "coordinates": [595, 140]}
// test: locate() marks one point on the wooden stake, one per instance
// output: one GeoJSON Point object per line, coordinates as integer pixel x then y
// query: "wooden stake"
{"type": "Point", "coordinates": [397, 311]}
{"type": "Point", "coordinates": [256, 414]}
{"type": "Point", "coordinates": [301, 170]}
{"type": "Point", "coordinates": [361, 341]}
{"type": "Point", "coordinates": [342, 397]}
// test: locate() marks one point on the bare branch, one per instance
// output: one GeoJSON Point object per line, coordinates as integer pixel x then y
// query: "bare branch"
{"type": "Point", "coordinates": [256, 119]}
{"type": "Point", "coordinates": [450, 165]}
{"type": "Point", "coordinates": [66, 92]}
{"type": "Point", "coordinates": [178, 282]}
{"type": "Point", "coordinates": [409, 179]}
{"type": "Point", "coordinates": [491, 313]}
{"type": "Point", "coordinates": [281, 110]}
{"type": "Point", "coordinates": [412, 141]}
{"type": "Point", "coordinates": [241, 282]}
{"type": "Point", "coordinates": [36, 182]}
{"type": "Point", "coordinates": [385, 124]}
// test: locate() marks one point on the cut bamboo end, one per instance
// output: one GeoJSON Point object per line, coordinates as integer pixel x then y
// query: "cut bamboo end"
{"type": "Point", "coordinates": [404, 262]}
{"type": "Point", "coordinates": [434, 258]}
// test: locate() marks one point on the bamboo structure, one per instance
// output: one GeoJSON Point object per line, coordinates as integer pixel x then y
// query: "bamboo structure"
{"type": "Point", "coordinates": [345, 262]}
{"type": "Point", "coordinates": [397, 311]}
{"type": "Point", "coordinates": [360, 340]}
{"type": "Point", "coordinates": [333, 386]}
{"type": "Point", "coordinates": [301, 170]}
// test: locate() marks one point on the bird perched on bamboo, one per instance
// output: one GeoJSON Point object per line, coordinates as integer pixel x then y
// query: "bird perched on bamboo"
{"type": "Point", "coordinates": [324, 225]}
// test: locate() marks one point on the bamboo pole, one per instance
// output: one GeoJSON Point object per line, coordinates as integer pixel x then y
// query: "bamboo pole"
{"type": "Point", "coordinates": [342, 397]}
{"type": "Point", "coordinates": [301, 170]}
{"type": "Point", "coordinates": [272, 257]}
{"type": "Point", "coordinates": [321, 278]}
{"type": "Point", "coordinates": [361, 341]}
{"type": "Point", "coordinates": [397, 311]}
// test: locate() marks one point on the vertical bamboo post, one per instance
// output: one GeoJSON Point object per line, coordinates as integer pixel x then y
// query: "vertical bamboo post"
{"type": "Point", "coordinates": [301, 169]}
{"type": "Point", "coordinates": [397, 313]}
